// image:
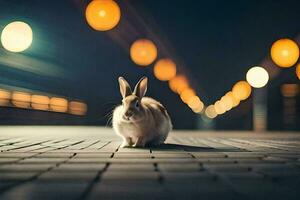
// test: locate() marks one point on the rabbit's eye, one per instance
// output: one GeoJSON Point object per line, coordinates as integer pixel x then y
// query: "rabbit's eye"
{"type": "Point", "coordinates": [137, 104]}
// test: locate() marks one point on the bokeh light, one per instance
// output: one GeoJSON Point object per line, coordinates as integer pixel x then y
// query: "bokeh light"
{"type": "Point", "coordinates": [227, 102]}
{"type": "Point", "coordinates": [21, 99]}
{"type": "Point", "coordinates": [195, 104]}
{"type": "Point", "coordinates": [164, 69]}
{"type": "Point", "coordinates": [234, 100]}
{"type": "Point", "coordinates": [4, 97]}
{"type": "Point", "coordinates": [210, 112]}
{"type": "Point", "coordinates": [103, 15]}
{"type": "Point", "coordinates": [257, 77]}
{"type": "Point", "coordinates": [241, 90]}
{"type": "Point", "coordinates": [143, 52]}
{"type": "Point", "coordinates": [40, 102]}
{"type": "Point", "coordinates": [16, 36]}
{"type": "Point", "coordinates": [186, 94]}
{"type": "Point", "coordinates": [285, 52]}
{"type": "Point", "coordinates": [77, 108]}
{"type": "Point", "coordinates": [298, 71]}
{"type": "Point", "coordinates": [219, 107]}
{"type": "Point", "coordinates": [58, 104]}
{"type": "Point", "coordinates": [178, 83]}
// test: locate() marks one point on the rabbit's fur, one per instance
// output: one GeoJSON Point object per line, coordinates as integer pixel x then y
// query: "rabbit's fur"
{"type": "Point", "coordinates": [140, 120]}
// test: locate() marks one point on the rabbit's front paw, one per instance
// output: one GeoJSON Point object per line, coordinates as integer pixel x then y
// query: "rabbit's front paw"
{"type": "Point", "coordinates": [127, 142]}
{"type": "Point", "coordinates": [140, 142]}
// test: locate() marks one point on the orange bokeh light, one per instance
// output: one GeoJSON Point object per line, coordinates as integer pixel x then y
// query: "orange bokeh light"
{"type": "Point", "coordinates": [227, 102]}
{"type": "Point", "coordinates": [285, 52]}
{"type": "Point", "coordinates": [241, 90]}
{"type": "Point", "coordinates": [165, 69]}
{"type": "Point", "coordinates": [103, 15]}
{"type": "Point", "coordinates": [143, 52]}
{"type": "Point", "coordinates": [235, 101]}
{"type": "Point", "coordinates": [40, 102]}
{"type": "Point", "coordinates": [77, 108]}
{"type": "Point", "coordinates": [210, 112]}
{"type": "Point", "coordinates": [178, 83]}
{"type": "Point", "coordinates": [220, 108]}
{"type": "Point", "coordinates": [195, 104]}
{"type": "Point", "coordinates": [4, 97]}
{"type": "Point", "coordinates": [58, 104]}
{"type": "Point", "coordinates": [21, 99]}
{"type": "Point", "coordinates": [187, 94]}
{"type": "Point", "coordinates": [298, 71]}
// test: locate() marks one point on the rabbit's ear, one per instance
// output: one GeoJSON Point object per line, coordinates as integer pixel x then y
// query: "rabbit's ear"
{"type": "Point", "coordinates": [141, 87]}
{"type": "Point", "coordinates": [124, 87]}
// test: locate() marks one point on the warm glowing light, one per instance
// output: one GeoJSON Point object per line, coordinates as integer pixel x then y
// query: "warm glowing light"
{"type": "Point", "coordinates": [58, 104]}
{"type": "Point", "coordinates": [241, 90]}
{"type": "Point", "coordinates": [195, 104]}
{"type": "Point", "coordinates": [298, 71]}
{"type": "Point", "coordinates": [103, 15]}
{"type": "Point", "coordinates": [227, 102]}
{"type": "Point", "coordinates": [210, 112]}
{"type": "Point", "coordinates": [178, 84]}
{"type": "Point", "coordinates": [21, 99]}
{"type": "Point", "coordinates": [77, 108]}
{"type": "Point", "coordinates": [219, 107]}
{"type": "Point", "coordinates": [289, 90]}
{"type": "Point", "coordinates": [4, 97]}
{"type": "Point", "coordinates": [235, 101]}
{"type": "Point", "coordinates": [16, 36]}
{"type": "Point", "coordinates": [165, 69]}
{"type": "Point", "coordinates": [199, 108]}
{"type": "Point", "coordinates": [186, 94]}
{"type": "Point", "coordinates": [285, 52]}
{"type": "Point", "coordinates": [257, 77]}
{"type": "Point", "coordinates": [143, 52]}
{"type": "Point", "coordinates": [40, 102]}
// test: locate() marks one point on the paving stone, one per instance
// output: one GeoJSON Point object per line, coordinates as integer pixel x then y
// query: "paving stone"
{"type": "Point", "coordinates": [263, 189]}
{"type": "Point", "coordinates": [175, 160]}
{"type": "Point", "coordinates": [205, 155]}
{"type": "Point", "coordinates": [131, 167]}
{"type": "Point", "coordinates": [128, 191]}
{"type": "Point", "coordinates": [132, 155]}
{"type": "Point", "coordinates": [133, 175]}
{"type": "Point", "coordinates": [67, 176]}
{"type": "Point", "coordinates": [131, 160]}
{"type": "Point", "coordinates": [89, 160]}
{"type": "Point", "coordinates": [25, 167]}
{"type": "Point", "coordinates": [16, 176]}
{"type": "Point", "coordinates": [15, 155]}
{"type": "Point", "coordinates": [54, 155]}
{"type": "Point", "coordinates": [189, 177]}
{"type": "Point", "coordinates": [93, 155]}
{"type": "Point", "coordinates": [171, 155]}
{"type": "Point", "coordinates": [43, 160]}
{"type": "Point", "coordinates": [8, 160]}
{"type": "Point", "coordinates": [202, 188]}
{"type": "Point", "coordinates": [226, 167]}
{"type": "Point", "coordinates": [80, 167]}
{"type": "Point", "coordinates": [187, 167]}
{"type": "Point", "coordinates": [45, 191]}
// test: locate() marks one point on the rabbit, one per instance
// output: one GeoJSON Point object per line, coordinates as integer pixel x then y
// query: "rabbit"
{"type": "Point", "coordinates": [140, 121]}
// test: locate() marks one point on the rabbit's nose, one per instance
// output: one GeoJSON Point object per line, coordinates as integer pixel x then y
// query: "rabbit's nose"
{"type": "Point", "coordinates": [128, 114]}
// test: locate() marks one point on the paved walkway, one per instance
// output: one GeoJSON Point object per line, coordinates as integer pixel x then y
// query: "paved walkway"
{"type": "Point", "coordinates": [87, 163]}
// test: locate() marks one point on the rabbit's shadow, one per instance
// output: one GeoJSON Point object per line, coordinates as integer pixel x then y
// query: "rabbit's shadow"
{"type": "Point", "coordinates": [184, 147]}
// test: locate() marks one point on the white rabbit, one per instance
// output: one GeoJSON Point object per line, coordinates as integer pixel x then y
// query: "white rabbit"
{"type": "Point", "coordinates": [140, 120]}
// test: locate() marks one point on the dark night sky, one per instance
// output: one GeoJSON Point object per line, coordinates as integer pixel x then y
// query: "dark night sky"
{"type": "Point", "coordinates": [215, 42]}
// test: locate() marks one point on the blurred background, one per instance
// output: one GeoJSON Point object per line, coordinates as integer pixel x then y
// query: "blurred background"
{"type": "Point", "coordinates": [196, 55]}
